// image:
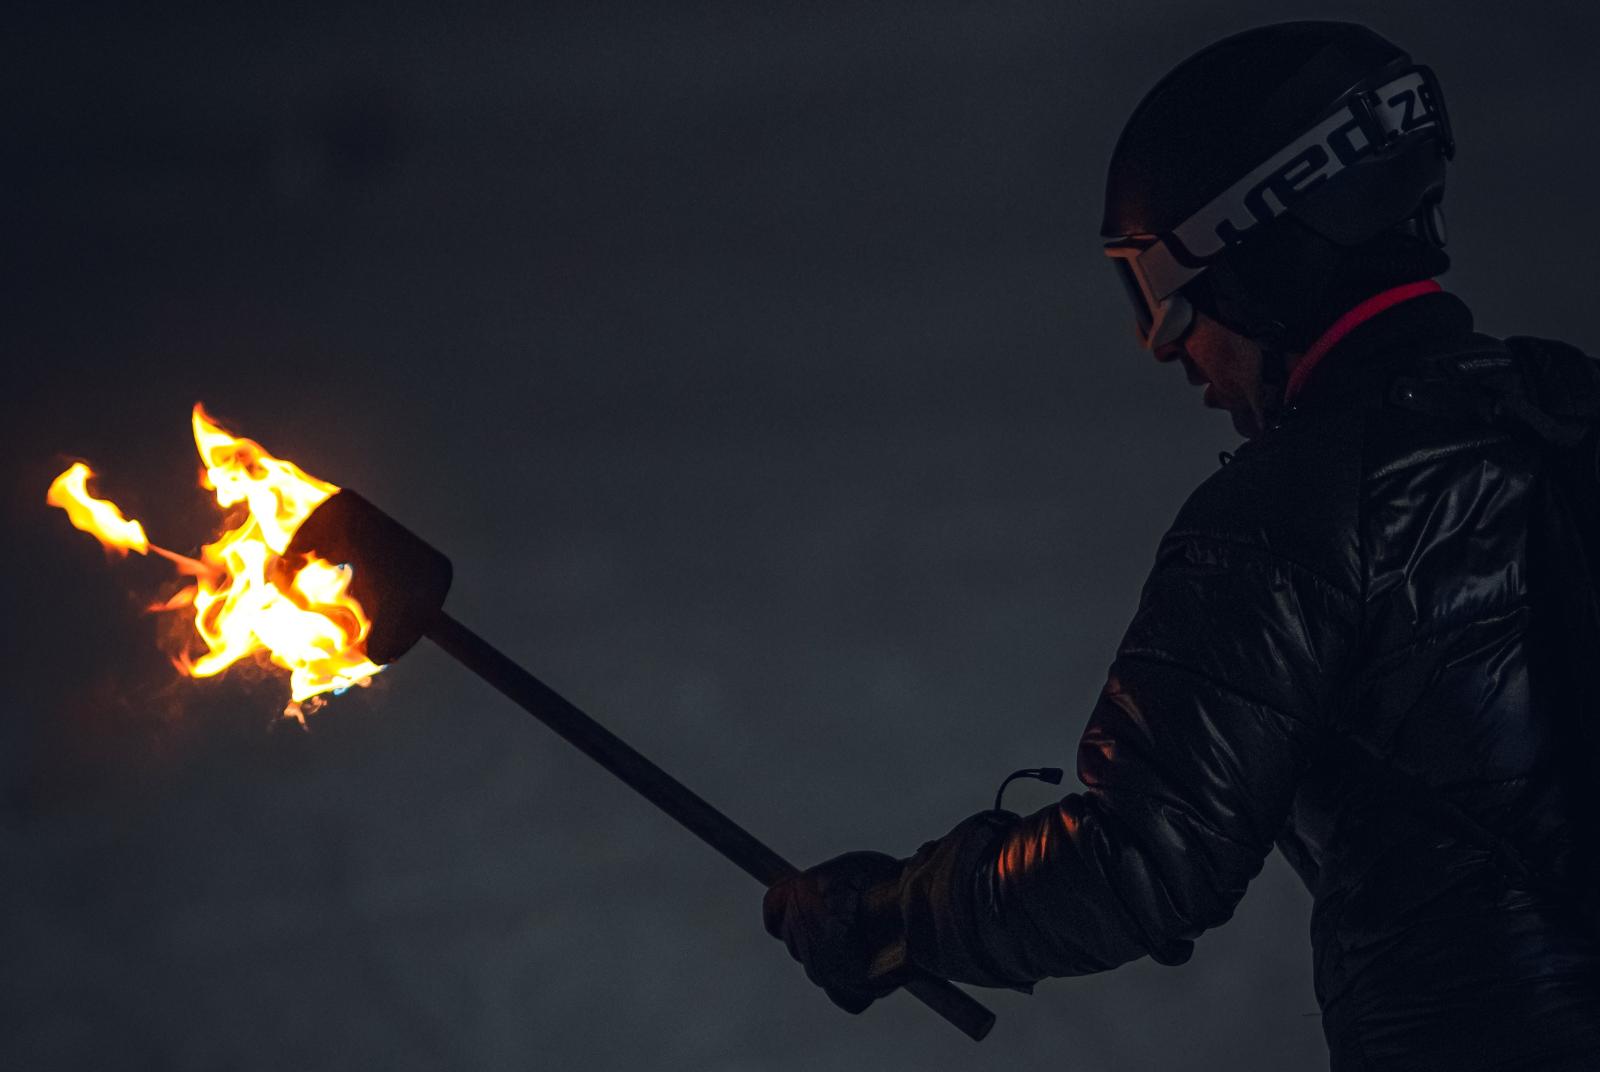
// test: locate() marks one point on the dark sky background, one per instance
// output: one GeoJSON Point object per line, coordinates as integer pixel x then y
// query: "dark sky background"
{"type": "Point", "coordinates": [758, 368]}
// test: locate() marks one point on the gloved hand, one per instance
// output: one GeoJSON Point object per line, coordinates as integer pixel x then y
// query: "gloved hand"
{"type": "Point", "coordinates": [841, 920]}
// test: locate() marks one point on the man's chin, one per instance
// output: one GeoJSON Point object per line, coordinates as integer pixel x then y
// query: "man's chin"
{"type": "Point", "coordinates": [1245, 422]}
{"type": "Point", "coordinates": [1245, 419]}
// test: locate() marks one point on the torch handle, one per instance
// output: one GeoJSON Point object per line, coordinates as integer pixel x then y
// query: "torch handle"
{"type": "Point", "coordinates": [667, 793]}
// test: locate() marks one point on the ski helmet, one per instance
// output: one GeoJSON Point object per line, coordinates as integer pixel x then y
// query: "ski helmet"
{"type": "Point", "coordinates": [1325, 124]}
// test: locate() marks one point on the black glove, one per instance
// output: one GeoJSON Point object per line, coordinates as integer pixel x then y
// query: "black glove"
{"type": "Point", "coordinates": [841, 920]}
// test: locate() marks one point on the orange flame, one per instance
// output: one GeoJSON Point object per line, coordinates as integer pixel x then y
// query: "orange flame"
{"type": "Point", "coordinates": [247, 597]}
{"type": "Point", "coordinates": [97, 517]}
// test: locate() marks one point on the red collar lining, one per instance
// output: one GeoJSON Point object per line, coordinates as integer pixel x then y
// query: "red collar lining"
{"type": "Point", "coordinates": [1347, 323]}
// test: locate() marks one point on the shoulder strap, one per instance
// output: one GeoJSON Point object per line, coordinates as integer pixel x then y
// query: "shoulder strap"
{"type": "Point", "coordinates": [1545, 388]}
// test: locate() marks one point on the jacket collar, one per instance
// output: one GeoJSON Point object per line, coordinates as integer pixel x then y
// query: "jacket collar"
{"type": "Point", "coordinates": [1377, 348]}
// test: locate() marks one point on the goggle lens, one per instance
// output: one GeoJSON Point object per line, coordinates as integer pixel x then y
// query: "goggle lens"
{"type": "Point", "coordinates": [1142, 319]}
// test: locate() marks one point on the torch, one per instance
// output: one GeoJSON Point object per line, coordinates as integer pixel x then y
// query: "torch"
{"type": "Point", "coordinates": [334, 589]}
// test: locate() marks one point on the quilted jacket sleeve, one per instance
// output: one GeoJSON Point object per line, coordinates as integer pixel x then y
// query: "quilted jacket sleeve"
{"type": "Point", "coordinates": [1190, 763]}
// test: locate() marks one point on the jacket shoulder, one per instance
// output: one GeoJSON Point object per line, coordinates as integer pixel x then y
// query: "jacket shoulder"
{"type": "Point", "coordinates": [1557, 350]}
{"type": "Point", "coordinates": [1293, 494]}
{"type": "Point", "coordinates": [1564, 379]}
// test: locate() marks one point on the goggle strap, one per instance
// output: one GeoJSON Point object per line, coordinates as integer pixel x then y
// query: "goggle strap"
{"type": "Point", "coordinates": [1406, 105]}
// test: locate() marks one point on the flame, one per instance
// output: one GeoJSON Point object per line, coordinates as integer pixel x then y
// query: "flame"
{"type": "Point", "coordinates": [248, 597]}
{"type": "Point", "coordinates": [97, 517]}
{"type": "Point", "coordinates": [280, 494]}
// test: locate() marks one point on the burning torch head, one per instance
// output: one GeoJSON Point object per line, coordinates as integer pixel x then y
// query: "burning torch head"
{"type": "Point", "coordinates": [399, 580]}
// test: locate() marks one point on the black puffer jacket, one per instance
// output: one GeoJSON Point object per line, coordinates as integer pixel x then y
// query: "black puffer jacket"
{"type": "Point", "coordinates": [1356, 576]}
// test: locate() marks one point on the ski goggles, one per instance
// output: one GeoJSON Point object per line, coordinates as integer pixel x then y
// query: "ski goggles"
{"type": "Point", "coordinates": [1160, 314]}
{"type": "Point", "coordinates": [1374, 116]}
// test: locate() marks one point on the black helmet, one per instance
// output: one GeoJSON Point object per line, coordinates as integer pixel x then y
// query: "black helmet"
{"type": "Point", "coordinates": [1325, 128]}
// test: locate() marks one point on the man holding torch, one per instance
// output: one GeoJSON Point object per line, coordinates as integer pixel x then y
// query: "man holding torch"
{"type": "Point", "coordinates": [1364, 639]}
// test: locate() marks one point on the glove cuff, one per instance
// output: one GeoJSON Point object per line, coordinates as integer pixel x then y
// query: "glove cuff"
{"type": "Point", "coordinates": [945, 892]}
